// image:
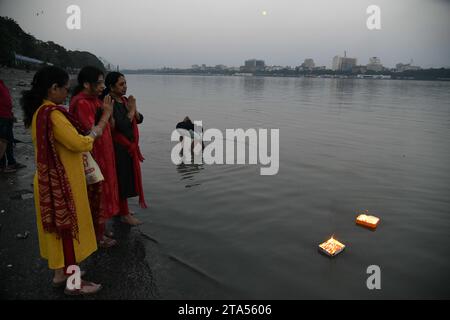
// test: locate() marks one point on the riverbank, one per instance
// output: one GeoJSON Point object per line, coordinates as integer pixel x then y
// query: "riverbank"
{"type": "Point", "coordinates": [137, 268]}
{"type": "Point", "coordinates": [23, 273]}
{"type": "Point", "coordinates": [420, 75]}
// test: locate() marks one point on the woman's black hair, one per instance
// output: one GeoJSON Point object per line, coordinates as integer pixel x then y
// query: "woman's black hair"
{"type": "Point", "coordinates": [31, 99]}
{"type": "Point", "coordinates": [110, 80]}
{"type": "Point", "coordinates": [88, 74]}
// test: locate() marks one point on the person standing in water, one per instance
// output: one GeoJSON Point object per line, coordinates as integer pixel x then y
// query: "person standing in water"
{"type": "Point", "coordinates": [125, 135]}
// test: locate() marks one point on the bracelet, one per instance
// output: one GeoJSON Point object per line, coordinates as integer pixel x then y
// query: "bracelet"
{"type": "Point", "coordinates": [93, 134]}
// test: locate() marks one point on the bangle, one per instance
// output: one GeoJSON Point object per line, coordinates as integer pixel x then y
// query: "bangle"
{"type": "Point", "coordinates": [93, 134]}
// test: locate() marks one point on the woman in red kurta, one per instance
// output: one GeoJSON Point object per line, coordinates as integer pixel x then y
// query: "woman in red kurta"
{"type": "Point", "coordinates": [87, 109]}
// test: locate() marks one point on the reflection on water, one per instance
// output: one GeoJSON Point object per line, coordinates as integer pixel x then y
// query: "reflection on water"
{"type": "Point", "coordinates": [188, 172]}
{"type": "Point", "coordinates": [253, 84]}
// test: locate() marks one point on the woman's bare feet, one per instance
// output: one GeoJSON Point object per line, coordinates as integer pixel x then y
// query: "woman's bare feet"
{"type": "Point", "coordinates": [131, 220]}
{"type": "Point", "coordinates": [107, 242]}
{"type": "Point", "coordinates": [60, 278]}
{"type": "Point", "coordinates": [86, 288]}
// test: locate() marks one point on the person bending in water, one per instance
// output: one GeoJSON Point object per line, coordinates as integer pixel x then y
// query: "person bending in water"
{"type": "Point", "coordinates": [189, 126]}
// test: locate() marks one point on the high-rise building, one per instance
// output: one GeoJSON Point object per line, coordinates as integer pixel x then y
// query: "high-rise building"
{"type": "Point", "coordinates": [336, 64]}
{"type": "Point", "coordinates": [253, 65]}
{"type": "Point", "coordinates": [374, 64]}
{"type": "Point", "coordinates": [308, 64]}
{"type": "Point", "coordinates": [260, 65]}
{"type": "Point", "coordinates": [343, 63]}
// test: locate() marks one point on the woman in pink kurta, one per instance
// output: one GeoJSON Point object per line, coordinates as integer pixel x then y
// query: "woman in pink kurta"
{"type": "Point", "coordinates": [87, 109]}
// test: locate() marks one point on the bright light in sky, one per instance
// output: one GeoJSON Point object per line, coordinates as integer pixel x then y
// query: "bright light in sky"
{"type": "Point", "coordinates": [264, 13]}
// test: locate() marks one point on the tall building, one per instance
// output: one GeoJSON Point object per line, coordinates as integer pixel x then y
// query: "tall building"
{"type": "Point", "coordinates": [374, 64]}
{"type": "Point", "coordinates": [336, 64]}
{"type": "Point", "coordinates": [253, 65]}
{"type": "Point", "coordinates": [260, 65]}
{"type": "Point", "coordinates": [308, 64]}
{"type": "Point", "coordinates": [343, 63]}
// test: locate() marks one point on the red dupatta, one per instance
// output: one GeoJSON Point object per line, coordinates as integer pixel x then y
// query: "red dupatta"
{"type": "Point", "coordinates": [135, 153]}
{"type": "Point", "coordinates": [56, 202]}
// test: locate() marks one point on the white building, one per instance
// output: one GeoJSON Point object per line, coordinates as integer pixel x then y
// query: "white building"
{"type": "Point", "coordinates": [221, 67]}
{"type": "Point", "coordinates": [336, 64]}
{"type": "Point", "coordinates": [374, 64]}
{"type": "Point", "coordinates": [400, 67]}
{"type": "Point", "coordinates": [343, 63]}
{"type": "Point", "coordinates": [274, 68]}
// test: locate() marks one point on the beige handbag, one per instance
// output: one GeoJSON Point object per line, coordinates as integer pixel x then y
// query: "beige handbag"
{"type": "Point", "coordinates": [91, 169]}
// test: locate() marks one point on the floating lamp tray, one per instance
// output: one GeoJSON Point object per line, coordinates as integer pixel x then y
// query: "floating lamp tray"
{"type": "Point", "coordinates": [367, 221]}
{"type": "Point", "coordinates": [331, 247]}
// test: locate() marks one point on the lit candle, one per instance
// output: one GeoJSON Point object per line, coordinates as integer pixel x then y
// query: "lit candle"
{"type": "Point", "coordinates": [367, 221]}
{"type": "Point", "coordinates": [331, 247]}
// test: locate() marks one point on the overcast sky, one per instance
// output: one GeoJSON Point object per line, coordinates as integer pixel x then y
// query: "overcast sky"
{"type": "Point", "coordinates": [179, 33]}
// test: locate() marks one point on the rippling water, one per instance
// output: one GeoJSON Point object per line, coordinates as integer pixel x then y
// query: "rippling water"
{"type": "Point", "coordinates": [345, 145]}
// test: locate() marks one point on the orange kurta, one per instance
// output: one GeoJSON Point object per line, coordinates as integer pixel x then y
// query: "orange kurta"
{"type": "Point", "coordinates": [69, 146]}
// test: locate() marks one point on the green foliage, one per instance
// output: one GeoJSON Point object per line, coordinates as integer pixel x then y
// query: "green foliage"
{"type": "Point", "coordinates": [424, 74]}
{"type": "Point", "coordinates": [14, 40]}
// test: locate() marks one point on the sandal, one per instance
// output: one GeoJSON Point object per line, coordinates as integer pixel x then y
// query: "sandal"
{"type": "Point", "coordinates": [107, 242]}
{"type": "Point", "coordinates": [87, 288]}
{"type": "Point", "coordinates": [57, 284]}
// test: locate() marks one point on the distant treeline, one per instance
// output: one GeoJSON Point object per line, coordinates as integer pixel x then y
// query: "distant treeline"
{"type": "Point", "coordinates": [423, 74]}
{"type": "Point", "coordinates": [13, 40]}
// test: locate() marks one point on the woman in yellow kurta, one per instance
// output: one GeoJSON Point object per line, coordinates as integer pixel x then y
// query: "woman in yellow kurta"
{"type": "Point", "coordinates": [49, 89]}
{"type": "Point", "coordinates": [69, 147]}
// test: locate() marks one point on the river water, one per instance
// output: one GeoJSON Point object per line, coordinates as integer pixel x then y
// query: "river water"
{"type": "Point", "coordinates": [345, 145]}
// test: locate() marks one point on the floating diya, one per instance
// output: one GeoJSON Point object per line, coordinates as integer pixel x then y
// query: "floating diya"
{"type": "Point", "coordinates": [331, 247]}
{"type": "Point", "coordinates": [368, 221]}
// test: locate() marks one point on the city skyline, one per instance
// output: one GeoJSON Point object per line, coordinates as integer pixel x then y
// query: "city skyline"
{"type": "Point", "coordinates": [181, 33]}
{"type": "Point", "coordinates": [370, 60]}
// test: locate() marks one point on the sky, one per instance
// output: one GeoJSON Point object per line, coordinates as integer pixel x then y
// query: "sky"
{"type": "Point", "coordinates": [179, 33]}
